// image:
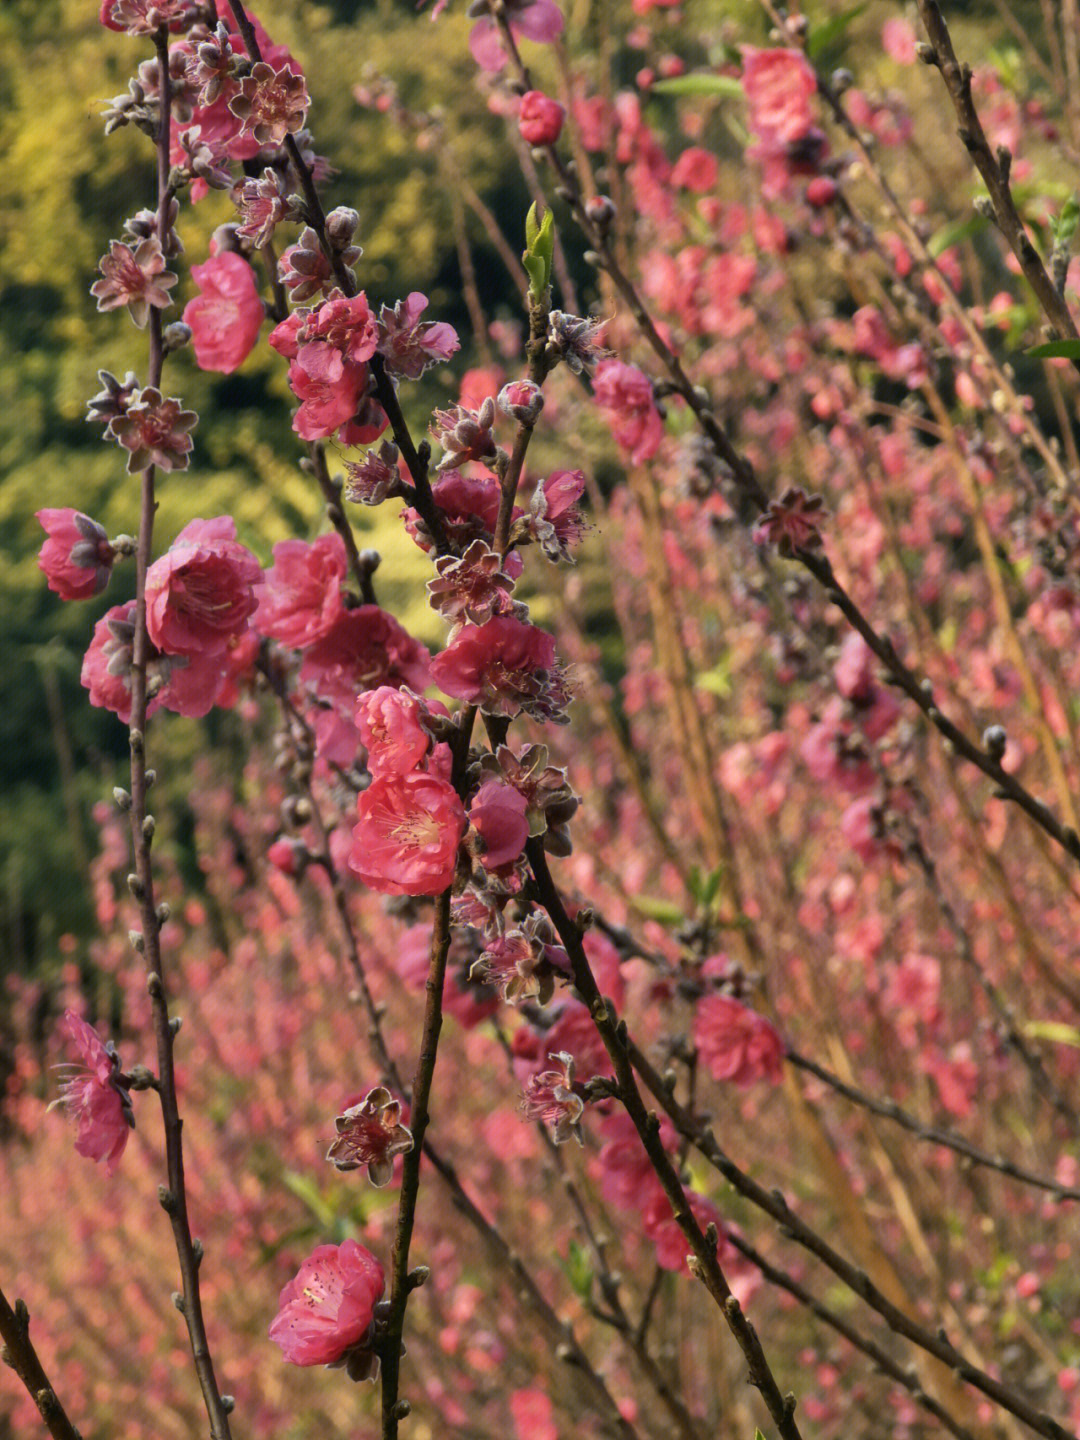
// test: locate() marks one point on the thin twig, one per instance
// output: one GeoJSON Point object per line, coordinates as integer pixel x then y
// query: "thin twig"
{"type": "Point", "coordinates": [18, 1352]}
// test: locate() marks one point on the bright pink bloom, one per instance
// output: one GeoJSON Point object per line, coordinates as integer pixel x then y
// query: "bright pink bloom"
{"type": "Point", "coordinates": [328, 1308]}
{"type": "Point", "coordinates": [106, 667]}
{"type": "Point", "coordinates": [498, 814]}
{"type": "Point", "coordinates": [328, 387]}
{"type": "Point", "coordinates": [540, 119]}
{"type": "Point", "coordinates": [504, 667]}
{"type": "Point", "coordinates": [366, 648]}
{"type": "Point", "coordinates": [77, 558]}
{"type": "Point", "coordinates": [735, 1042]}
{"type": "Point", "coordinates": [533, 1415]}
{"type": "Point", "coordinates": [300, 595]}
{"type": "Point", "coordinates": [345, 323]}
{"type": "Point", "coordinates": [778, 85]}
{"type": "Point", "coordinates": [407, 836]}
{"type": "Point", "coordinates": [539, 20]}
{"type": "Point", "coordinates": [469, 1002]}
{"type": "Point", "coordinates": [95, 1097]}
{"type": "Point", "coordinates": [390, 723]}
{"type": "Point", "coordinates": [201, 679]}
{"type": "Point", "coordinates": [408, 346]}
{"type": "Point", "coordinates": [201, 593]}
{"type": "Point", "coordinates": [695, 170]}
{"type": "Point", "coordinates": [625, 393]}
{"type": "Point", "coordinates": [226, 317]}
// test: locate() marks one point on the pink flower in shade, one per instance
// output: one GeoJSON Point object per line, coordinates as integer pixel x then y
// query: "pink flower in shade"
{"type": "Point", "coordinates": [261, 206]}
{"type": "Point", "coordinates": [365, 426]}
{"type": "Point", "coordinates": [660, 1226]}
{"type": "Point", "coordinates": [557, 522]}
{"type": "Point", "coordinates": [135, 278]}
{"type": "Point", "coordinates": [408, 346]}
{"type": "Point", "coordinates": [143, 17]}
{"type": "Point", "coordinates": [505, 666]}
{"type": "Point", "coordinates": [370, 1133]}
{"type": "Point", "coordinates": [539, 20]}
{"type": "Point", "coordinates": [497, 813]}
{"type": "Point", "coordinates": [550, 1098]}
{"type": "Point", "coordinates": [695, 170]}
{"type": "Point", "coordinates": [540, 119]}
{"type": "Point", "coordinates": [201, 593]}
{"type": "Point", "coordinates": [956, 1076]}
{"type": "Point", "coordinates": [877, 709]}
{"type": "Point", "coordinates": [470, 508]}
{"type": "Point", "coordinates": [226, 317]}
{"type": "Point", "coordinates": [374, 478]}
{"type": "Point", "coordinates": [328, 387]}
{"type": "Point", "coordinates": [154, 431]}
{"type": "Point", "coordinates": [469, 1002]}
{"type": "Point", "coordinates": [390, 723]}
{"type": "Point", "coordinates": [96, 1097]}
{"type": "Point", "coordinates": [366, 648]}
{"type": "Point", "coordinates": [627, 1179]}
{"type": "Point", "coordinates": [106, 667]}
{"type": "Point", "coordinates": [735, 1042]}
{"type": "Point", "coordinates": [77, 558]}
{"type": "Point", "coordinates": [300, 595]}
{"type": "Point", "coordinates": [271, 103]}
{"type": "Point", "coordinates": [407, 834]}
{"type": "Point", "coordinates": [472, 587]}
{"type": "Point", "coordinates": [326, 1311]}
{"type": "Point", "coordinates": [792, 522]}
{"type": "Point", "coordinates": [283, 336]}
{"type": "Point", "coordinates": [625, 394]}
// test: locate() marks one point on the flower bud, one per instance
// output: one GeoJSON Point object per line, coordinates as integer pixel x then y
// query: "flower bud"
{"type": "Point", "coordinates": [540, 119]}
{"type": "Point", "coordinates": [523, 400]}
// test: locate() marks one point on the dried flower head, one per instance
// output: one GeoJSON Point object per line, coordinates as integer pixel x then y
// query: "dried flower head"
{"type": "Point", "coordinates": [154, 431]}
{"type": "Point", "coordinates": [472, 588]}
{"type": "Point", "coordinates": [371, 1133]}
{"type": "Point", "coordinates": [550, 1098]}
{"type": "Point", "coordinates": [262, 205]}
{"type": "Point", "coordinates": [573, 340]}
{"type": "Point", "coordinates": [271, 103]}
{"type": "Point", "coordinates": [792, 522]}
{"type": "Point", "coordinates": [135, 278]}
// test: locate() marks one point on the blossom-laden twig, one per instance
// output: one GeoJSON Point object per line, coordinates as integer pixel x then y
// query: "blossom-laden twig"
{"type": "Point", "coordinates": [173, 1195]}
{"type": "Point", "coordinates": [18, 1352]}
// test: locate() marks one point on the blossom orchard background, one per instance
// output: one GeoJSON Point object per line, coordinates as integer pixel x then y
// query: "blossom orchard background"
{"type": "Point", "coordinates": [645, 901]}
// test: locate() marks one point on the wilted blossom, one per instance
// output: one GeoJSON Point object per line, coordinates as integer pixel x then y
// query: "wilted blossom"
{"type": "Point", "coordinates": [408, 346]}
{"type": "Point", "coordinates": [574, 340]}
{"type": "Point", "coordinates": [472, 587]}
{"type": "Point", "coordinates": [555, 519]}
{"type": "Point", "coordinates": [226, 317]}
{"type": "Point", "coordinates": [271, 103]}
{"type": "Point", "coordinates": [210, 69]}
{"type": "Point", "coordinates": [371, 1133]}
{"type": "Point", "coordinates": [390, 722]}
{"type": "Point", "coordinates": [135, 277]}
{"type": "Point", "coordinates": [465, 434]}
{"type": "Point", "coordinates": [375, 478]}
{"type": "Point", "coordinates": [365, 648]}
{"type": "Point", "coordinates": [792, 522]}
{"type": "Point", "coordinates": [736, 1043]}
{"type": "Point", "coordinates": [540, 119]}
{"type": "Point", "coordinates": [77, 558]}
{"type": "Point", "coordinates": [539, 20]}
{"type": "Point", "coordinates": [95, 1096]}
{"type": "Point", "coordinates": [154, 431]}
{"type": "Point", "coordinates": [407, 834]}
{"type": "Point", "coordinates": [325, 1313]}
{"type": "Point", "coordinates": [260, 202]}
{"type": "Point", "coordinates": [113, 398]}
{"type": "Point", "coordinates": [144, 17]}
{"type": "Point", "coordinates": [505, 666]}
{"type": "Point", "coordinates": [201, 593]}
{"type": "Point", "coordinates": [625, 394]}
{"type": "Point", "coordinates": [469, 507]}
{"type": "Point", "coordinates": [524, 962]}
{"type": "Point", "coordinates": [300, 595]}
{"type": "Point", "coordinates": [550, 1097]}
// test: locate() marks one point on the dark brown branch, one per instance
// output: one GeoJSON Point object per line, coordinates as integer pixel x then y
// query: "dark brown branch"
{"type": "Point", "coordinates": [18, 1352]}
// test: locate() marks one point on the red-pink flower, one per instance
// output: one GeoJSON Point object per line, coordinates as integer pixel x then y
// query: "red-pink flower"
{"type": "Point", "coordinates": [106, 667]}
{"type": "Point", "coordinates": [95, 1096]}
{"type": "Point", "coordinates": [201, 593]}
{"type": "Point", "coordinates": [778, 85]}
{"type": "Point", "coordinates": [300, 595]}
{"type": "Point", "coordinates": [226, 317]}
{"type": "Point", "coordinates": [557, 522]}
{"type": "Point", "coordinates": [735, 1042]}
{"type": "Point", "coordinates": [77, 558]}
{"type": "Point", "coordinates": [407, 836]}
{"type": "Point", "coordinates": [540, 118]}
{"type": "Point", "coordinates": [408, 346]}
{"type": "Point", "coordinates": [539, 20]}
{"type": "Point", "coordinates": [390, 723]}
{"type": "Point", "coordinates": [135, 278]}
{"type": "Point", "coordinates": [370, 1133]}
{"type": "Point", "coordinates": [498, 814]}
{"type": "Point", "coordinates": [327, 1309]}
{"type": "Point", "coordinates": [695, 170]}
{"type": "Point", "coordinates": [504, 667]}
{"type": "Point", "coordinates": [329, 388]}
{"type": "Point", "coordinates": [346, 323]}
{"type": "Point", "coordinates": [365, 648]}
{"type": "Point", "coordinates": [625, 394]}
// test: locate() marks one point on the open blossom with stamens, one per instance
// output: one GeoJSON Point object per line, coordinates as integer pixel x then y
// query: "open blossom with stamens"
{"type": "Point", "coordinates": [523, 963]}
{"type": "Point", "coordinates": [135, 277]}
{"type": "Point", "coordinates": [371, 1133]}
{"type": "Point", "coordinates": [575, 340]}
{"type": "Point", "coordinates": [550, 1097]}
{"type": "Point", "coordinates": [505, 666]}
{"type": "Point", "coordinates": [472, 587]}
{"type": "Point", "coordinates": [260, 202]}
{"type": "Point", "coordinates": [154, 430]}
{"type": "Point", "coordinates": [407, 834]}
{"type": "Point", "coordinates": [210, 70]}
{"type": "Point", "coordinates": [325, 1313]}
{"type": "Point", "coordinates": [410, 346]}
{"type": "Point", "coordinates": [375, 478]}
{"type": "Point", "coordinates": [77, 558]}
{"type": "Point", "coordinates": [271, 103]}
{"type": "Point", "coordinates": [144, 17]}
{"type": "Point", "coordinates": [201, 593]}
{"type": "Point", "coordinates": [95, 1096]}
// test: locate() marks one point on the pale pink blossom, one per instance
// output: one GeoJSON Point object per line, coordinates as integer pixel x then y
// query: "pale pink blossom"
{"type": "Point", "coordinates": [539, 20]}
{"type": "Point", "coordinates": [736, 1043]}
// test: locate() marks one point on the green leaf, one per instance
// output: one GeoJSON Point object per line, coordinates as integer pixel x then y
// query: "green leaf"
{"type": "Point", "coordinates": [1055, 1031]}
{"type": "Point", "coordinates": [824, 37]}
{"type": "Point", "coordinates": [697, 84]}
{"type": "Point", "coordinates": [1055, 349]}
{"type": "Point", "coordinates": [579, 1270]}
{"type": "Point", "coordinates": [532, 227]}
{"type": "Point", "coordinates": [1065, 223]}
{"type": "Point", "coordinates": [666, 911]}
{"type": "Point", "coordinates": [306, 1190]}
{"type": "Point", "coordinates": [758, 1435]}
{"type": "Point", "coordinates": [539, 249]}
{"type": "Point", "coordinates": [950, 235]}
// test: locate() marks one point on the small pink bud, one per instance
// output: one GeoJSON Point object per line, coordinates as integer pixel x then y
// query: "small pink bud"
{"type": "Point", "coordinates": [77, 558]}
{"type": "Point", "coordinates": [821, 191]}
{"type": "Point", "coordinates": [523, 400]}
{"type": "Point", "coordinates": [540, 118]}
{"type": "Point", "coordinates": [600, 209]}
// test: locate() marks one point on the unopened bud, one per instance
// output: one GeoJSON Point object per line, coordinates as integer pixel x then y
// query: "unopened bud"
{"type": "Point", "coordinates": [122, 798]}
{"type": "Point", "coordinates": [995, 741]}
{"type": "Point", "coordinates": [175, 336]}
{"type": "Point", "coordinates": [341, 225]}
{"type": "Point", "coordinates": [600, 209]}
